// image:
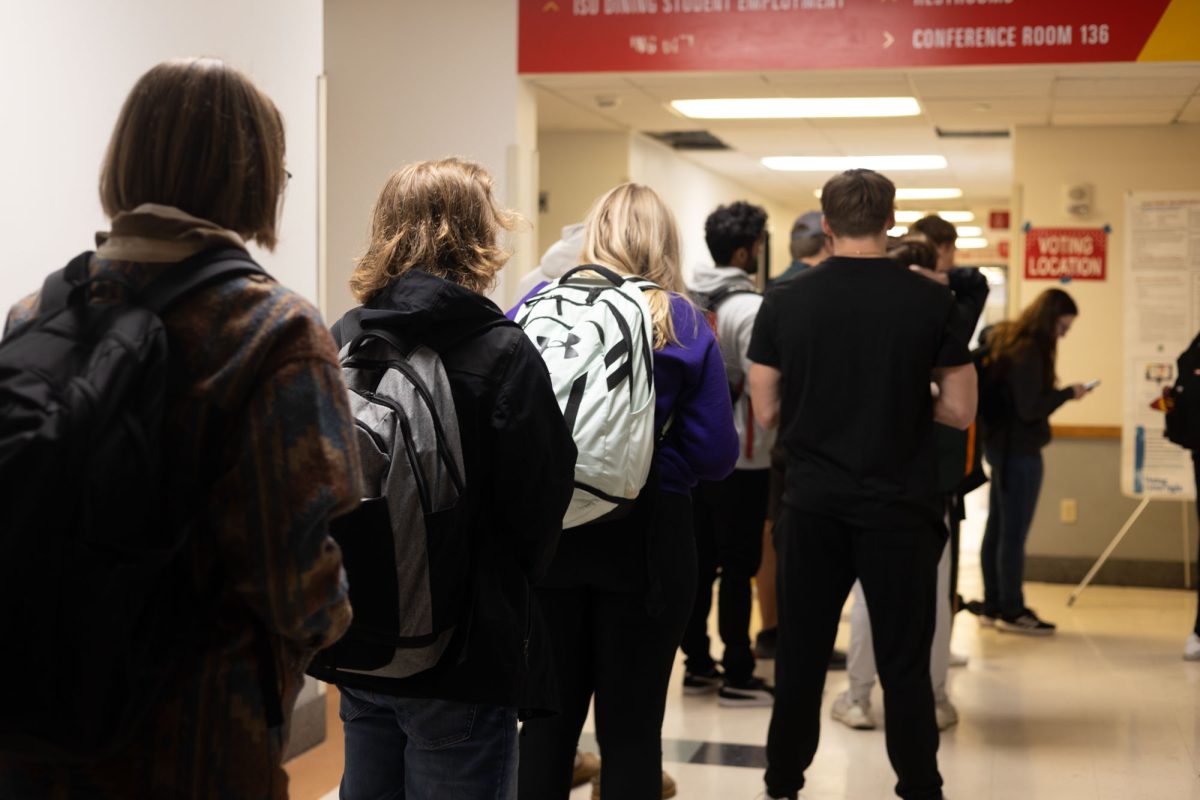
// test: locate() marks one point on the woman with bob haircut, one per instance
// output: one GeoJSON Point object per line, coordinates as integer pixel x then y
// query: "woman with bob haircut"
{"type": "Point", "coordinates": [255, 421]}
{"type": "Point", "coordinates": [619, 594]}
{"type": "Point", "coordinates": [451, 730]}
{"type": "Point", "coordinates": [1019, 394]}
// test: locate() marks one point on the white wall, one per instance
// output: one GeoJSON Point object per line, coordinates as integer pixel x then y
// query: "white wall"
{"type": "Point", "coordinates": [407, 82]}
{"type": "Point", "coordinates": [67, 67]}
{"type": "Point", "coordinates": [693, 193]}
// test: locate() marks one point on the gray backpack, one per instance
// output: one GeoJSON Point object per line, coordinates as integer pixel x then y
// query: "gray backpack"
{"type": "Point", "coordinates": [405, 551]}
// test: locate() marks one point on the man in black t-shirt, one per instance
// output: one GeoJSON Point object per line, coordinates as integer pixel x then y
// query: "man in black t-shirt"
{"type": "Point", "coordinates": [854, 360]}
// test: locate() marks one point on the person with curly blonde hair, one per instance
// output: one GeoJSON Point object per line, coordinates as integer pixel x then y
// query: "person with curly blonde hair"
{"type": "Point", "coordinates": [451, 730]}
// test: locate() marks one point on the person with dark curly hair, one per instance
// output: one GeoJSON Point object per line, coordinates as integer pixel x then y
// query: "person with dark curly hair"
{"type": "Point", "coordinates": [728, 515]}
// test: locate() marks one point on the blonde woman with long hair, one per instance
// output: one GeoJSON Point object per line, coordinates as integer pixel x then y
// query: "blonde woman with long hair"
{"type": "Point", "coordinates": [451, 730]}
{"type": "Point", "coordinates": [618, 594]}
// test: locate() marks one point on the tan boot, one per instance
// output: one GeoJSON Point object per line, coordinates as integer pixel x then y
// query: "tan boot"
{"type": "Point", "coordinates": [587, 766]}
{"type": "Point", "coordinates": [669, 787]}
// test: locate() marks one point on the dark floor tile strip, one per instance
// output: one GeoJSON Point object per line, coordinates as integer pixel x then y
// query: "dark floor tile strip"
{"type": "Point", "coordinates": [686, 751]}
{"type": "Point", "coordinates": [731, 755]}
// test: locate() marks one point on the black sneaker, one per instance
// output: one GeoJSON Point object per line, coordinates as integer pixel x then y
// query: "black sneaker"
{"type": "Point", "coordinates": [748, 694]}
{"type": "Point", "coordinates": [702, 682]}
{"type": "Point", "coordinates": [1026, 622]}
{"type": "Point", "coordinates": [987, 614]}
{"type": "Point", "coordinates": [765, 643]}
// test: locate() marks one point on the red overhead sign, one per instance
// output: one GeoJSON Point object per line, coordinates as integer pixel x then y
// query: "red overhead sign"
{"type": "Point", "coordinates": [998, 220]}
{"type": "Point", "coordinates": [1079, 254]}
{"type": "Point", "coordinates": [728, 35]}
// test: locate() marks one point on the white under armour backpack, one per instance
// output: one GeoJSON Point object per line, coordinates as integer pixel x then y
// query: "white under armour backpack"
{"type": "Point", "coordinates": [593, 329]}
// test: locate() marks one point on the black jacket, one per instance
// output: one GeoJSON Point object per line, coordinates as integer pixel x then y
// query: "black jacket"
{"type": "Point", "coordinates": [1030, 401]}
{"type": "Point", "coordinates": [520, 471]}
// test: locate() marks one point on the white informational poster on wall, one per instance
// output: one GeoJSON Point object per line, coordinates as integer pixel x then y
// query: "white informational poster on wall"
{"type": "Point", "coordinates": [1162, 316]}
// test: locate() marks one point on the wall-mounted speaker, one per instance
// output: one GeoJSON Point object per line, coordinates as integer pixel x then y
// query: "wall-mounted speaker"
{"type": "Point", "coordinates": [1077, 199]}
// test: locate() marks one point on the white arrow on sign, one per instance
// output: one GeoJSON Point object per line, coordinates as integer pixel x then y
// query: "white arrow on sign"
{"type": "Point", "coordinates": [888, 40]}
{"type": "Point", "coordinates": [551, 6]}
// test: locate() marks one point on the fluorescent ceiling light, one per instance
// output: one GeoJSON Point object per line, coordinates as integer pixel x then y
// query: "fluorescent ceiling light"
{"type": "Point", "coordinates": [956, 216]}
{"type": "Point", "coordinates": [843, 163]}
{"type": "Point", "coordinates": [928, 194]}
{"type": "Point", "coordinates": [919, 194]}
{"type": "Point", "coordinates": [797, 107]}
{"type": "Point", "coordinates": [949, 216]}
{"type": "Point", "coordinates": [971, 243]}
{"type": "Point", "coordinates": [899, 230]}
{"type": "Point", "coordinates": [969, 230]}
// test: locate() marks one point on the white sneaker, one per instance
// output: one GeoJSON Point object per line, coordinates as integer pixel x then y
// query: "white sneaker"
{"type": "Point", "coordinates": [947, 715]}
{"type": "Point", "coordinates": [1191, 648]}
{"type": "Point", "coordinates": [852, 713]}
{"type": "Point", "coordinates": [958, 659]}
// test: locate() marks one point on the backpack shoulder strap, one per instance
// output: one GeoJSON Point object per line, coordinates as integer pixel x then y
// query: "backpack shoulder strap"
{"type": "Point", "coordinates": [604, 272]}
{"type": "Point", "coordinates": [724, 293]}
{"type": "Point", "coordinates": [56, 291]}
{"type": "Point", "coordinates": [206, 268]}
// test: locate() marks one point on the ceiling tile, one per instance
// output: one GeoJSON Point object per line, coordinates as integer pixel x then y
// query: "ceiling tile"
{"type": "Point", "coordinates": [1125, 87]}
{"type": "Point", "coordinates": [557, 114]}
{"type": "Point", "coordinates": [980, 85]}
{"type": "Point", "coordinates": [800, 84]}
{"type": "Point", "coordinates": [1118, 105]}
{"type": "Point", "coordinates": [1111, 118]}
{"type": "Point", "coordinates": [1191, 113]}
{"type": "Point", "coordinates": [1134, 70]}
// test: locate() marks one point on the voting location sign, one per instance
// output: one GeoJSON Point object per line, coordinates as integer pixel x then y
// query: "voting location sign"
{"type": "Point", "coordinates": [1074, 254]}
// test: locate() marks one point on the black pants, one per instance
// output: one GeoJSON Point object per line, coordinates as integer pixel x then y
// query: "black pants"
{"type": "Point", "coordinates": [954, 513]}
{"type": "Point", "coordinates": [818, 561]}
{"type": "Point", "coordinates": [728, 518]}
{"type": "Point", "coordinates": [610, 644]}
{"type": "Point", "coordinates": [1196, 468]}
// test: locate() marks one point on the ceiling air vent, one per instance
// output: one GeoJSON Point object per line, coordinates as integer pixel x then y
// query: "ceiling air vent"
{"type": "Point", "coordinates": [689, 140]}
{"type": "Point", "coordinates": [945, 134]}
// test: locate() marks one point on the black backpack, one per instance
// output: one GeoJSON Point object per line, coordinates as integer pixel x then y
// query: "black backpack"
{"type": "Point", "coordinates": [1183, 410]}
{"type": "Point", "coordinates": [96, 608]}
{"type": "Point", "coordinates": [709, 302]}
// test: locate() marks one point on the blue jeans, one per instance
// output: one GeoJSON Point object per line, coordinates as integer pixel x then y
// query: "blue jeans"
{"type": "Point", "coordinates": [401, 748]}
{"type": "Point", "coordinates": [1016, 483]}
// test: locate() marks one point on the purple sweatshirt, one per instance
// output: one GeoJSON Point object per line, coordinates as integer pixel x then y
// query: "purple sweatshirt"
{"type": "Point", "coordinates": [689, 381]}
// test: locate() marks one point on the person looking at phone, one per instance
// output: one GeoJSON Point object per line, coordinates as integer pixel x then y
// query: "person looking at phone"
{"type": "Point", "coordinates": [1019, 393]}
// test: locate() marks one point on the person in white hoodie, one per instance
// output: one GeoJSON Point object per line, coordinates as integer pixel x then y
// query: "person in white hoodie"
{"type": "Point", "coordinates": [558, 258]}
{"type": "Point", "coordinates": [729, 515]}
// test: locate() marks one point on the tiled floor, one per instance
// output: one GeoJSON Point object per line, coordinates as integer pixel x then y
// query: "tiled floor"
{"type": "Point", "coordinates": [1104, 710]}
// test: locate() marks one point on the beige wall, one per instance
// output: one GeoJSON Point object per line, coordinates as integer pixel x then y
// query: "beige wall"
{"type": "Point", "coordinates": [693, 192]}
{"type": "Point", "coordinates": [1115, 161]}
{"type": "Point", "coordinates": [406, 82]}
{"type": "Point", "coordinates": [574, 168]}
{"type": "Point", "coordinates": [577, 167]}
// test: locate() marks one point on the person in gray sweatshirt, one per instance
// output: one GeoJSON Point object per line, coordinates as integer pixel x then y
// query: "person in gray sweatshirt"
{"type": "Point", "coordinates": [728, 515]}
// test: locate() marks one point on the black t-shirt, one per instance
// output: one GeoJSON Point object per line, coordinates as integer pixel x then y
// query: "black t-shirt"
{"type": "Point", "coordinates": [856, 340]}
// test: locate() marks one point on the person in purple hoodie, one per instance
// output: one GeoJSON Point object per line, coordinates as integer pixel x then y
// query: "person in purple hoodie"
{"type": "Point", "coordinates": [618, 594]}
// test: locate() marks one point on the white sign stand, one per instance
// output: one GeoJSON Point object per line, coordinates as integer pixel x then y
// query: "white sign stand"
{"type": "Point", "coordinates": [1162, 316]}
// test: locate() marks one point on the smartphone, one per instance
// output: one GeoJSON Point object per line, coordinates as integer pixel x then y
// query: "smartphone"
{"type": "Point", "coordinates": [1091, 384]}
